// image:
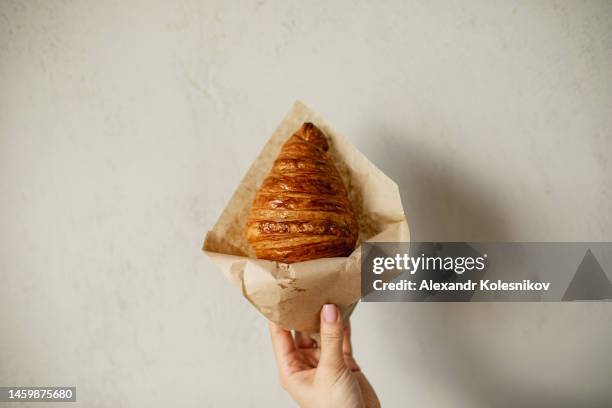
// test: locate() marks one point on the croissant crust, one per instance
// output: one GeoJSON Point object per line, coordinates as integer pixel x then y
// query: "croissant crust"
{"type": "Point", "coordinates": [302, 210]}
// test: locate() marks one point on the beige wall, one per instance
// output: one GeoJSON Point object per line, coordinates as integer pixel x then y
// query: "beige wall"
{"type": "Point", "coordinates": [125, 126]}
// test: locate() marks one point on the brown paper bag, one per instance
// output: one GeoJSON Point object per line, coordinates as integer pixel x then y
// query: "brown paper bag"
{"type": "Point", "coordinates": [292, 295]}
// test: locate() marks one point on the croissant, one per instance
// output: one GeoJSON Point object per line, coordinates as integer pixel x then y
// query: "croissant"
{"type": "Point", "coordinates": [302, 210]}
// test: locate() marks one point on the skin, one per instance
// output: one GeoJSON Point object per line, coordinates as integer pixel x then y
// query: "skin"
{"type": "Point", "coordinates": [326, 375]}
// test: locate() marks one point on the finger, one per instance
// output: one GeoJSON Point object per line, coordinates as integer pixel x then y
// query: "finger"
{"type": "Point", "coordinates": [331, 338]}
{"type": "Point", "coordinates": [351, 364]}
{"type": "Point", "coordinates": [303, 340]}
{"type": "Point", "coordinates": [312, 355]}
{"type": "Point", "coordinates": [347, 346]}
{"type": "Point", "coordinates": [369, 395]}
{"type": "Point", "coordinates": [282, 343]}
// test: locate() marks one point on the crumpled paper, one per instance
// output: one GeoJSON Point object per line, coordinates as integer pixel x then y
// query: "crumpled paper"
{"type": "Point", "coordinates": [291, 295]}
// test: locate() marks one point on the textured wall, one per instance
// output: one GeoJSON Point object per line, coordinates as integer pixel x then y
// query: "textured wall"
{"type": "Point", "coordinates": [125, 126]}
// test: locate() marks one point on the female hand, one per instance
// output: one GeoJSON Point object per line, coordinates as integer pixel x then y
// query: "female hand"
{"type": "Point", "coordinates": [325, 376]}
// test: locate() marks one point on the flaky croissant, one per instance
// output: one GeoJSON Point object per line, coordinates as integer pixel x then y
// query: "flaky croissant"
{"type": "Point", "coordinates": [302, 210]}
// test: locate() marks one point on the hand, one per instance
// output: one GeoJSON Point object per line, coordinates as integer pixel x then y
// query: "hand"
{"type": "Point", "coordinates": [325, 376]}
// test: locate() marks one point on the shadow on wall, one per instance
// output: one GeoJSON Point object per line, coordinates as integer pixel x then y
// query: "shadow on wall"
{"type": "Point", "coordinates": [440, 201]}
{"type": "Point", "coordinates": [443, 203]}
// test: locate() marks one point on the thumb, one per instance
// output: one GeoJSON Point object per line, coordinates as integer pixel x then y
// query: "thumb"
{"type": "Point", "coordinates": [331, 338]}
